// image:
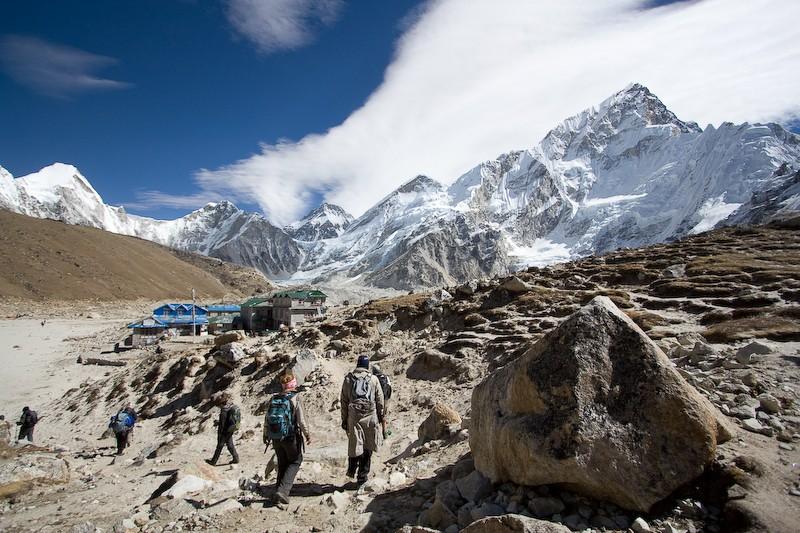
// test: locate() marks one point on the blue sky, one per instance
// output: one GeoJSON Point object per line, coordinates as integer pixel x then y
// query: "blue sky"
{"type": "Point", "coordinates": [200, 95]}
{"type": "Point", "coordinates": [279, 104]}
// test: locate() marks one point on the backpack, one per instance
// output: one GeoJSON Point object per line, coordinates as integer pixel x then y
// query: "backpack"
{"type": "Point", "coordinates": [232, 419]}
{"type": "Point", "coordinates": [121, 423]}
{"type": "Point", "coordinates": [32, 418]}
{"type": "Point", "coordinates": [280, 417]}
{"type": "Point", "coordinates": [361, 386]}
{"type": "Point", "coordinates": [386, 385]}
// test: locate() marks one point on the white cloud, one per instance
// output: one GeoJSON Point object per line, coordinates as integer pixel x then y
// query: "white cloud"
{"type": "Point", "coordinates": [281, 24]}
{"type": "Point", "coordinates": [53, 69]}
{"type": "Point", "coordinates": [471, 80]}
{"type": "Point", "coordinates": [147, 200]}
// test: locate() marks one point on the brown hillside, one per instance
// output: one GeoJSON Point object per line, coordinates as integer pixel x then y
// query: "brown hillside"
{"type": "Point", "coordinates": [45, 259]}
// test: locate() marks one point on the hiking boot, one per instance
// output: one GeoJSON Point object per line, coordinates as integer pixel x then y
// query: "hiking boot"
{"type": "Point", "coordinates": [281, 498]}
{"type": "Point", "coordinates": [211, 462]}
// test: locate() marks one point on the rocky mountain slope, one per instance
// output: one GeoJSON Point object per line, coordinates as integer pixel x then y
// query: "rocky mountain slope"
{"type": "Point", "coordinates": [623, 174]}
{"type": "Point", "coordinates": [711, 365]}
{"type": "Point", "coordinates": [49, 260]}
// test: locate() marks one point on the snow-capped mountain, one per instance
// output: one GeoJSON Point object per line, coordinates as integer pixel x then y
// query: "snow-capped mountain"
{"type": "Point", "coordinates": [625, 173]}
{"type": "Point", "coordinates": [325, 222]}
{"type": "Point", "coordinates": [219, 230]}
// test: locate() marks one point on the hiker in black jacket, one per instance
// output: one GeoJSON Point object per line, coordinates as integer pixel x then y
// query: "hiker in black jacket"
{"type": "Point", "coordinates": [229, 420]}
{"type": "Point", "coordinates": [26, 423]}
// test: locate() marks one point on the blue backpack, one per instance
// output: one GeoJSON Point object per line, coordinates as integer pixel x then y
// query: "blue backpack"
{"type": "Point", "coordinates": [122, 422]}
{"type": "Point", "coordinates": [280, 417]}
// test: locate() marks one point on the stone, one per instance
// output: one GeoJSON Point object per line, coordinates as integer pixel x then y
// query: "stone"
{"type": "Point", "coordinates": [437, 425]}
{"type": "Point", "coordinates": [438, 515]}
{"type": "Point", "coordinates": [514, 523]}
{"type": "Point", "coordinates": [769, 403]}
{"type": "Point", "coordinates": [396, 479]}
{"type": "Point", "coordinates": [515, 285]}
{"type": "Point", "coordinates": [750, 379]}
{"type": "Point", "coordinates": [188, 484]}
{"type": "Point", "coordinates": [28, 470]}
{"type": "Point", "coordinates": [124, 526]}
{"type": "Point", "coordinates": [640, 526]}
{"type": "Point", "coordinates": [542, 507]}
{"type": "Point", "coordinates": [229, 336]}
{"type": "Point", "coordinates": [690, 338]}
{"type": "Point", "coordinates": [337, 500]}
{"type": "Point", "coordinates": [305, 362]}
{"type": "Point", "coordinates": [753, 425]}
{"type": "Point", "coordinates": [231, 354]}
{"type": "Point", "coordinates": [595, 405]}
{"type": "Point", "coordinates": [469, 288]}
{"type": "Point", "coordinates": [743, 411]}
{"type": "Point", "coordinates": [744, 354]}
{"type": "Point", "coordinates": [375, 485]}
{"type": "Point", "coordinates": [414, 529]}
{"type": "Point", "coordinates": [474, 486]}
{"type": "Point", "coordinates": [487, 509]}
{"type": "Point", "coordinates": [86, 527]}
{"type": "Point", "coordinates": [674, 271]}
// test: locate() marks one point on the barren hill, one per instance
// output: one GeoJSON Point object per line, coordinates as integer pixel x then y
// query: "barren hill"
{"type": "Point", "coordinates": [45, 259]}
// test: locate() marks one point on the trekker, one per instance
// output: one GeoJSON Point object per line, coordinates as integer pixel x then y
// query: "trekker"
{"type": "Point", "coordinates": [362, 413]}
{"type": "Point", "coordinates": [5, 429]}
{"type": "Point", "coordinates": [230, 418]}
{"type": "Point", "coordinates": [285, 427]}
{"type": "Point", "coordinates": [122, 425]}
{"type": "Point", "coordinates": [386, 387]}
{"type": "Point", "coordinates": [26, 423]}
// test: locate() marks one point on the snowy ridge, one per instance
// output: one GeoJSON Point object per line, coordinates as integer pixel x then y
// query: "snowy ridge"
{"type": "Point", "coordinates": [627, 172]}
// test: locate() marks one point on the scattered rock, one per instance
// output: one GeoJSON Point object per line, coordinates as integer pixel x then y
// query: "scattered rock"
{"type": "Point", "coordinates": [640, 526]}
{"type": "Point", "coordinates": [396, 479]}
{"type": "Point", "coordinates": [230, 354]}
{"type": "Point", "coordinates": [543, 507]}
{"type": "Point", "coordinates": [474, 486]}
{"type": "Point", "coordinates": [337, 500]}
{"type": "Point", "coordinates": [229, 337]}
{"type": "Point", "coordinates": [595, 405]}
{"type": "Point", "coordinates": [745, 353]}
{"type": "Point", "coordinates": [515, 285]}
{"type": "Point", "coordinates": [438, 423]}
{"type": "Point", "coordinates": [512, 523]}
{"type": "Point", "coordinates": [188, 484]}
{"type": "Point", "coordinates": [769, 403]}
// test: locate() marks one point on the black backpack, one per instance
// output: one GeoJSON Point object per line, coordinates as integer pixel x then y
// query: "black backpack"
{"type": "Point", "coordinates": [386, 385]}
{"type": "Point", "coordinates": [31, 418]}
{"type": "Point", "coordinates": [232, 418]}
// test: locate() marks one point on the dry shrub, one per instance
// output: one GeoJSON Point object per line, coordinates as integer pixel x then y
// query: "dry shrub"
{"type": "Point", "coordinates": [384, 307]}
{"type": "Point", "coordinates": [688, 289]}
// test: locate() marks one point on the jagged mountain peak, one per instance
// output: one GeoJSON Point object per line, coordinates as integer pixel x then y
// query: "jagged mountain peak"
{"type": "Point", "coordinates": [323, 222]}
{"type": "Point", "coordinates": [420, 183]}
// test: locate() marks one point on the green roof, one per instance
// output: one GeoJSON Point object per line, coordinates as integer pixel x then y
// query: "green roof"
{"type": "Point", "coordinates": [252, 302]}
{"type": "Point", "coordinates": [223, 319]}
{"type": "Point", "coordinates": [300, 295]}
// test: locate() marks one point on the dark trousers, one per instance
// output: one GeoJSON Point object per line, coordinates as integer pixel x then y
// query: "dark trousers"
{"type": "Point", "coordinates": [360, 464]}
{"type": "Point", "coordinates": [26, 432]}
{"type": "Point", "coordinates": [225, 440]}
{"type": "Point", "coordinates": [289, 453]}
{"type": "Point", "coordinates": [122, 441]}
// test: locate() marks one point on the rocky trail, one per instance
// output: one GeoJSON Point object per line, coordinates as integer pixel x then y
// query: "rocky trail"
{"type": "Point", "coordinates": [651, 389]}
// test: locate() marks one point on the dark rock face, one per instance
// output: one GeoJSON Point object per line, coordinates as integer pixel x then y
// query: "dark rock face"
{"type": "Point", "coordinates": [595, 405]}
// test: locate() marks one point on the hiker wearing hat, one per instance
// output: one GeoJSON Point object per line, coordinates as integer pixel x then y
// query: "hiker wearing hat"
{"type": "Point", "coordinates": [285, 427]}
{"type": "Point", "coordinates": [362, 417]}
{"type": "Point", "coordinates": [26, 423]}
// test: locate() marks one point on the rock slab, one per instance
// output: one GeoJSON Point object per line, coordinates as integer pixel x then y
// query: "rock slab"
{"type": "Point", "coordinates": [513, 523]}
{"type": "Point", "coordinates": [597, 406]}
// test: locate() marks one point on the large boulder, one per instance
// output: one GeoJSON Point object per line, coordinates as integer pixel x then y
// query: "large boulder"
{"type": "Point", "coordinates": [514, 523]}
{"type": "Point", "coordinates": [26, 471]}
{"type": "Point", "coordinates": [228, 337]}
{"type": "Point", "coordinates": [594, 405]}
{"type": "Point", "coordinates": [231, 354]}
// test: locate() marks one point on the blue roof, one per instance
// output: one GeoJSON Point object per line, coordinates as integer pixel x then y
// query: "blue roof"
{"type": "Point", "coordinates": [156, 323]}
{"type": "Point", "coordinates": [224, 308]}
{"type": "Point", "coordinates": [180, 307]}
{"type": "Point", "coordinates": [185, 321]}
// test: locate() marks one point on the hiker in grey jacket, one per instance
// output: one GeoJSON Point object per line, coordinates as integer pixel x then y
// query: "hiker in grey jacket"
{"type": "Point", "coordinates": [288, 450]}
{"type": "Point", "coordinates": [362, 417]}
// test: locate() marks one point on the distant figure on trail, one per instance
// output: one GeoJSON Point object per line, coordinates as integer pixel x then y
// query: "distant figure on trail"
{"type": "Point", "coordinates": [5, 429]}
{"type": "Point", "coordinates": [122, 425]}
{"type": "Point", "coordinates": [26, 423]}
{"type": "Point", "coordinates": [230, 418]}
{"type": "Point", "coordinates": [362, 404]}
{"type": "Point", "coordinates": [44, 322]}
{"type": "Point", "coordinates": [285, 427]}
